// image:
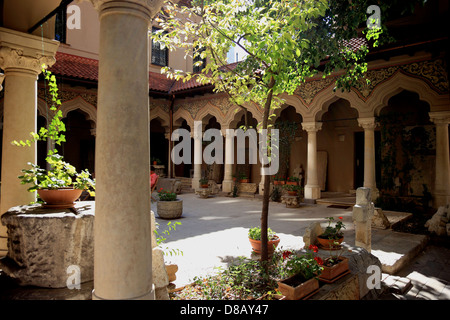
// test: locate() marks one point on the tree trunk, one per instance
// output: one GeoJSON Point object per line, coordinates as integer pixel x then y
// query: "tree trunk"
{"type": "Point", "coordinates": [265, 205]}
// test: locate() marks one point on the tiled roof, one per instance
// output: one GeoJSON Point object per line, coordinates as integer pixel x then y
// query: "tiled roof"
{"type": "Point", "coordinates": [87, 69]}
{"type": "Point", "coordinates": [75, 66]}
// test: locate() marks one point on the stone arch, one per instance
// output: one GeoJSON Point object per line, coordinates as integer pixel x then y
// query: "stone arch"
{"type": "Point", "coordinates": [180, 115]}
{"type": "Point", "coordinates": [79, 103]}
{"type": "Point", "coordinates": [399, 82]}
{"type": "Point", "coordinates": [208, 111]}
{"type": "Point", "coordinates": [161, 115]}
{"type": "Point", "coordinates": [322, 102]}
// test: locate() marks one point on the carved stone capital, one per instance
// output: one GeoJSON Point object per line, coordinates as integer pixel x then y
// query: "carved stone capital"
{"type": "Point", "coordinates": [148, 7]}
{"type": "Point", "coordinates": [440, 117]}
{"type": "Point", "coordinates": [1, 80]}
{"type": "Point", "coordinates": [16, 59]}
{"type": "Point", "coordinates": [311, 126]}
{"type": "Point", "coordinates": [367, 123]}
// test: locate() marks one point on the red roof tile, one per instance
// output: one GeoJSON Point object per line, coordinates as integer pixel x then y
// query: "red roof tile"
{"type": "Point", "coordinates": [75, 66]}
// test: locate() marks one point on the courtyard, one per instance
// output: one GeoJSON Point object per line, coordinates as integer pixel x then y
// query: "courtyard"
{"type": "Point", "coordinates": [211, 235]}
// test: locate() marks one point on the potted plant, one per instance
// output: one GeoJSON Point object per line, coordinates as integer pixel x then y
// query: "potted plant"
{"type": "Point", "coordinates": [278, 180]}
{"type": "Point", "coordinates": [61, 185]}
{"type": "Point", "coordinates": [254, 236]}
{"type": "Point", "coordinates": [203, 182]}
{"type": "Point", "coordinates": [292, 180]}
{"type": "Point", "coordinates": [333, 236]}
{"type": "Point", "coordinates": [292, 190]}
{"type": "Point", "coordinates": [168, 205]}
{"type": "Point", "coordinates": [302, 272]}
{"type": "Point", "coordinates": [243, 178]}
{"type": "Point", "coordinates": [155, 161]}
{"type": "Point", "coordinates": [334, 267]}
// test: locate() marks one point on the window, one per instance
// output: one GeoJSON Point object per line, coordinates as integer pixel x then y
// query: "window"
{"type": "Point", "coordinates": [60, 24]}
{"type": "Point", "coordinates": [198, 68]}
{"type": "Point", "coordinates": [160, 57]}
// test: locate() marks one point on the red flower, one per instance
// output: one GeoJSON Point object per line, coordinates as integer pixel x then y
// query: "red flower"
{"type": "Point", "coordinates": [313, 248]}
{"type": "Point", "coordinates": [340, 218]}
{"type": "Point", "coordinates": [319, 260]}
{"type": "Point", "coordinates": [286, 254]}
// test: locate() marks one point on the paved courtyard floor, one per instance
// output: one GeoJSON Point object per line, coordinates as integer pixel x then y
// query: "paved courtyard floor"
{"type": "Point", "coordinates": [213, 232]}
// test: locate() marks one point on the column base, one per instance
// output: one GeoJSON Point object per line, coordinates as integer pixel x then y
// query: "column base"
{"type": "Point", "coordinates": [312, 192]}
{"type": "Point", "coordinates": [227, 185]}
{"type": "Point", "coordinates": [148, 296]}
{"type": "Point", "coordinates": [374, 192]}
{"type": "Point", "coordinates": [195, 183]}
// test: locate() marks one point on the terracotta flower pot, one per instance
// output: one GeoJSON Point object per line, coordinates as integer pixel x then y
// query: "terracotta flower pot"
{"type": "Point", "coordinates": [204, 186]}
{"type": "Point", "coordinates": [333, 273]}
{"type": "Point", "coordinates": [296, 288]}
{"type": "Point", "coordinates": [292, 193]}
{"type": "Point", "coordinates": [276, 182]}
{"type": "Point", "coordinates": [271, 245]}
{"type": "Point", "coordinates": [292, 183]}
{"type": "Point", "coordinates": [59, 198]}
{"type": "Point", "coordinates": [328, 244]}
{"type": "Point", "coordinates": [243, 181]}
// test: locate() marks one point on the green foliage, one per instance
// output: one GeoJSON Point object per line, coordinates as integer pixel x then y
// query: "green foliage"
{"type": "Point", "coordinates": [333, 231]}
{"type": "Point", "coordinates": [276, 194]}
{"type": "Point", "coordinates": [203, 180]}
{"type": "Point", "coordinates": [61, 173]}
{"type": "Point", "coordinates": [161, 238]}
{"type": "Point", "coordinates": [164, 195]}
{"type": "Point", "coordinates": [291, 187]}
{"type": "Point", "coordinates": [255, 233]}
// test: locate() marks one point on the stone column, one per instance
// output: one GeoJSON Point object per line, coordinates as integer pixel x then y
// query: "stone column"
{"type": "Point", "coordinates": [21, 57]}
{"type": "Point", "coordinates": [312, 187]}
{"type": "Point", "coordinates": [363, 212]}
{"type": "Point", "coordinates": [368, 124]}
{"type": "Point", "coordinates": [442, 180]}
{"type": "Point", "coordinates": [123, 248]}
{"type": "Point", "coordinates": [227, 183]}
{"type": "Point", "coordinates": [198, 154]}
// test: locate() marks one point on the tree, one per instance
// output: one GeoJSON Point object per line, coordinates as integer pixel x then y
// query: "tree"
{"type": "Point", "coordinates": [286, 42]}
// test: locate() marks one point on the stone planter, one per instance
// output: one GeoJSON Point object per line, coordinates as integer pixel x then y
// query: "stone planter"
{"type": "Point", "coordinates": [50, 248]}
{"type": "Point", "coordinates": [295, 288]}
{"type": "Point", "coordinates": [170, 209]}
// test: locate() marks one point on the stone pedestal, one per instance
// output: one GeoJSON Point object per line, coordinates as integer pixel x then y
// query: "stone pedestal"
{"type": "Point", "coordinates": [291, 201]}
{"type": "Point", "coordinates": [363, 212]}
{"type": "Point", "coordinates": [48, 247]}
{"type": "Point", "coordinates": [203, 193]}
{"type": "Point", "coordinates": [247, 189]}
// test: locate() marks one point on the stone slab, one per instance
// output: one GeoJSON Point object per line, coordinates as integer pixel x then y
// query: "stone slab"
{"type": "Point", "coordinates": [396, 249]}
